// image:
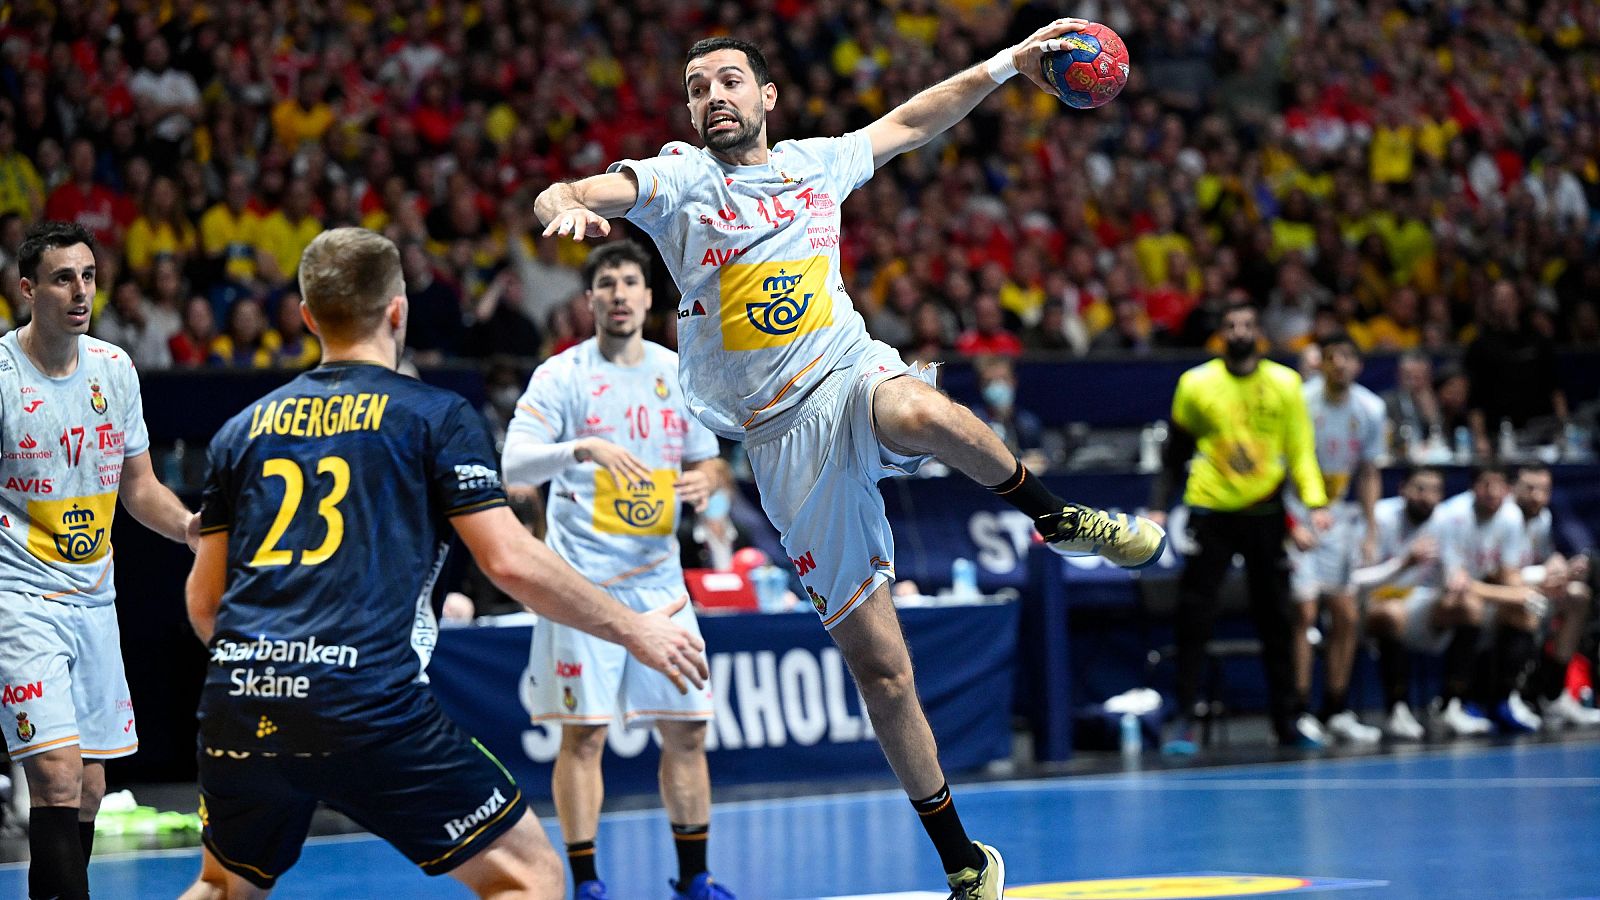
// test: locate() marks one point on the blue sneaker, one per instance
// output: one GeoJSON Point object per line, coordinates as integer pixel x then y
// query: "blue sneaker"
{"type": "Point", "coordinates": [1182, 739]}
{"type": "Point", "coordinates": [701, 888]}
{"type": "Point", "coordinates": [591, 890]}
{"type": "Point", "coordinates": [1515, 717]}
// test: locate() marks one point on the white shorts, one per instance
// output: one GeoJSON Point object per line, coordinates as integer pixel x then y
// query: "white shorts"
{"type": "Point", "coordinates": [1325, 568]}
{"type": "Point", "coordinates": [61, 667]}
{"type": "Point", "coordinates": [817, 467]}
{"type": "Point", "coordinates": [574, 677]}
{"type": "Point", "coordinates": [1420, 634]}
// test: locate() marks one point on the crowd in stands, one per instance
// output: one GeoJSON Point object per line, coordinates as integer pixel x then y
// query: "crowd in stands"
{"type": "Point", "coordinates": [1377, 167]}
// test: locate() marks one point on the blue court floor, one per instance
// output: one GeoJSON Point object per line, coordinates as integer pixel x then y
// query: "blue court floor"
{"type": "Point", "coordinates": [1490, 822]}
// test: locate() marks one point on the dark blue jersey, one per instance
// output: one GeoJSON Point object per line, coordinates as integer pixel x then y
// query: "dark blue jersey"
{"type": "Point", "coordinates": [335, 492]}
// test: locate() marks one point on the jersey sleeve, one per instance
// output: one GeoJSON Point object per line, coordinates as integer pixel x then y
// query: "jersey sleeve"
{"type": "Point", "coordinates": [847, 159]}
{"type": "Point", "coordinates": [541, 410]}
{"type": "Point", "coordinates": [136, 438]}
{"type": "Point", "coordinates": [464, 473]}
{"type": "Point", "coordinates": [216, 500]}
{"type": "Point", "coordinates": [663, 184]}
{"type": "Point", "coordinates": [700, 444]}
{"type": "Point", "coordinates": [1373, 428]}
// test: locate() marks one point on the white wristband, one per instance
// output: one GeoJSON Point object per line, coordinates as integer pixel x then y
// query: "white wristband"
{"type": "Point", "coordinates": [1002, 65]}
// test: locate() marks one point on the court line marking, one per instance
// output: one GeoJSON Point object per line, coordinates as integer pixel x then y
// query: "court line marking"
{"type": "Point", "coordinates": [1149, 780]}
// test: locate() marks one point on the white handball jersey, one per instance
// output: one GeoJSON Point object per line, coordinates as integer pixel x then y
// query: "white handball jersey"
{"type": "Point", "coordinates": [62, 445]}
{"type": "Point", "coordinates": [755, 252]}
{"type": "Point", "coordinates": [1483, 548]}
{"type": "Point", "coordinates": [1396, 531]}
{"type": "Point", "coordinates": [616, 535]}
{"type": "Point", "coordinates": [1347, 434]}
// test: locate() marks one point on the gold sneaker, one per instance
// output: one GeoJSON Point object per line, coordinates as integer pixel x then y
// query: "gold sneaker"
{"type": "Point", "coordinates": [1132, 542]}
{"type": "Point", "coordinates": [987, 884]}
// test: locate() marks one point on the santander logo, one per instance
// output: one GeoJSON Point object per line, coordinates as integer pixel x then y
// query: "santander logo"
{"type": "Point", "coordinates": [27, 442]}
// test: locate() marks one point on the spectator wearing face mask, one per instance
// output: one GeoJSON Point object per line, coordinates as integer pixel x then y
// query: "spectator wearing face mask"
{"type": "Point", "coordinates": [1020, 429]}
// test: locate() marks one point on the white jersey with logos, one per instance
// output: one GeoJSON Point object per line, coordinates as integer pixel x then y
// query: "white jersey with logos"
{"type": "Point", "coordinates": [1539, 534]}
{"type": "Point", "coordinates": [1396, 532]}
{"type": "Point", "coordinates": [1348, 434]}
{"type": "Point", "coordinates": [1482, 547]}
{"type": "Point", "coordinates": [755, 252]}
{"type": "Point", "coordinates": [62, 445]}
{"type": "Point", "coordinates": [616, 535]}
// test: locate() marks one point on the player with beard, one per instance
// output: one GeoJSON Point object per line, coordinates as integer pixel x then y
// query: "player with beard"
{"type": "Point", "coordinates": [774, 354]}
{"type": "Point", "coordinates": [1240, 426]}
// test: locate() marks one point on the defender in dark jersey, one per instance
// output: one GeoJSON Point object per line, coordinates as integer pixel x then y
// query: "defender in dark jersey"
{"type": "Point", "coordinates": [323, 530]}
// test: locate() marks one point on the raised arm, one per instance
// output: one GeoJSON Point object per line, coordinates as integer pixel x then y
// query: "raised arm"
{"type": "Point", "coordinates": [581, 208]}
{"type": "Point", "coordinates": [938, 108]}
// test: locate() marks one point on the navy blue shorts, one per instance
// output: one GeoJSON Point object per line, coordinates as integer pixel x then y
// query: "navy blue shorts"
{"type": "Point", "coordinates": [432, 791]}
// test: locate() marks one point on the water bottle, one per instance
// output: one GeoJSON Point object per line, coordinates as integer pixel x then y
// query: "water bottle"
{"type": "Point", "coordinates": [1463, 445]}
{"type": "Point", "coordinates": [770, 583]}
{"type": "Point", "coordinates": [1508, 441]}
{"type": "Point", "coordinates": [1151, 440]}
{"type": "Point", "coordinates": [1132, 737]}
{"type": "Point", "coordinates": [1405, 443]}
{"type": "Point", "coordinates": [1576, 443]}
{"type": "Point", "coordinates": [172, 470]}
{"type": "Point", "coordinates": [963, 578]}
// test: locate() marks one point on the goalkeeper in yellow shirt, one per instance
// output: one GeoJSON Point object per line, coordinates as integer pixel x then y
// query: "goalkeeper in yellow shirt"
{"type": "Point", "coordinates": [1239, 424]}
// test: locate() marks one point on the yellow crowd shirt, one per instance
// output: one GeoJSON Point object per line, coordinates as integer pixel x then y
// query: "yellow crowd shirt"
{"type": "Point", "coordinates": [1250, 432]}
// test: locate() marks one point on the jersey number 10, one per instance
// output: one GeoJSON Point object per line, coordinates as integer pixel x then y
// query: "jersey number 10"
{"type": "Point", "coordinates": [294, 483]}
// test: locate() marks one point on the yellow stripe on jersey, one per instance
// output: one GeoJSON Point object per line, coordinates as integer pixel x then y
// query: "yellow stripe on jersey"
{"type": "Point", "coordinates": [71, 531]}
{"type": "Point", "coordinates": [640, 509]}
{"type": "Point", "coordinates": [770, 304]}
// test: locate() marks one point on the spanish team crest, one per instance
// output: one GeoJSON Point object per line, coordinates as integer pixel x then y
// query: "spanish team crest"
{"type": "Point", "coordinates": [25, 729]}
{"type": "Point", "coordinates": [661, 387]}
{"type": "Point", "coordinates": [97, 400]}
{"type": "Point", "coordinates": [818, 601]}
{"type": "Point", "coordinates": [568, 699]}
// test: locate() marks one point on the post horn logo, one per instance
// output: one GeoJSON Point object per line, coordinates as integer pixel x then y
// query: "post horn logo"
{"type": "Point", "coordinates": [782, 314]}
{"type": "Point", "coordinates": [25, 729]}
{"type": "Point", "coordinates": [639, 511]}
{"type": "Point", "coordinates": [77, 544]}
{"type": "Point", "coordinates": [97, 400]}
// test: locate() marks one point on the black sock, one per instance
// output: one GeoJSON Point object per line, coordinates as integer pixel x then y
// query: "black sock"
{"type": "Point", "coordinates": [580, 857]}
{"type": "Point", "coordinates": [943, 824]}
{"type": "Point", "coordinates": [1334, 702]}
{"type": "Point", "coordinates": [1551, 678]}
{"type": "Point", "coordinates": [690, 842]}
{"type": "Point", "coordinates": [1513, 650]}
{"type": "Point", "coordinates": [86, 838]}
{"type": "Point", "coordinates": [1394, 667]}
{"type": "Point", "coordinates": [1458, 658]}
{"type": "Point", "coordinates": [57, 868]}
{"type": "Point", "coordinates": [1026, 492]}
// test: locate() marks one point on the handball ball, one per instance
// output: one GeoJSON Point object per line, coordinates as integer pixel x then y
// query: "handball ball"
{"type": "Point", "coordinates": [1090, 68]}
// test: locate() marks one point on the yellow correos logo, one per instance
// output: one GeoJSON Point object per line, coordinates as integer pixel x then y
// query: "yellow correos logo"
{"type": "Point", "coordinates": [1159, 887]}
{"type": "Point", "coordinates": [75, 530]}
{"type": "Point", "coordinates": [650, 508]}
{"type": "Point", "coordinates": [770, 304]}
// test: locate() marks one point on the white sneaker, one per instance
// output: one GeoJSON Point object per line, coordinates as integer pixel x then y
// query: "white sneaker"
{"type": "Point", "coordinates": [1308, 733]}
{"type": "Point", "coordinates": [1566, 710]}
{"type": "Point", "coordinates": [1456, 721]}
{"type": "Point", "coordinates": [1516, 716]}
{"type": "Point", "coordinates": [1403, 724]}
{"type": "Point", "coordinates": [1350, 730]}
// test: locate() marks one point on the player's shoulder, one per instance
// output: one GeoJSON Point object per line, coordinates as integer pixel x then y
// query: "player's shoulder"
{"type": "Point", "coordinates": [660, 355]}
{"type": "Point", "coordinates": [1208, 371]}
{"type": "Point", "coordinates": [572, 360]}
{"type": "Point", "coordinates": [1455, 508]}
{"type": "Point", "coordinates": [1388, 507]}
{"type": "Point", "coordinates": [1367, 401]}
{"type": "Point", "coordinates": [1283, 376]}
{"type": "Point", "coordinates": [104, 356]}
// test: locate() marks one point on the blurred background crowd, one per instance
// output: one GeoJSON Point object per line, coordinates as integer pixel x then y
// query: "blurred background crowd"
{"type": "Point", "coordinates": [1373, 166]}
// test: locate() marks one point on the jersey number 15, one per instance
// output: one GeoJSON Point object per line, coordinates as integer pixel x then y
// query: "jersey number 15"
{"type": "Point", "coordinates": [294, 483]}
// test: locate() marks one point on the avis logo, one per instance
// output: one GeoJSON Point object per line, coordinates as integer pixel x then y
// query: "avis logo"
{"type": "Point", "coordinates": [27, 442]}
{"type": "Point", "coordinates": [639, 511]}
{"type": "Point", "coordinates": [781, 314]}
{"type": "Point", "coordinates": [21, 693]}
{"type": "Point", "coordinates": [77, 544]}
